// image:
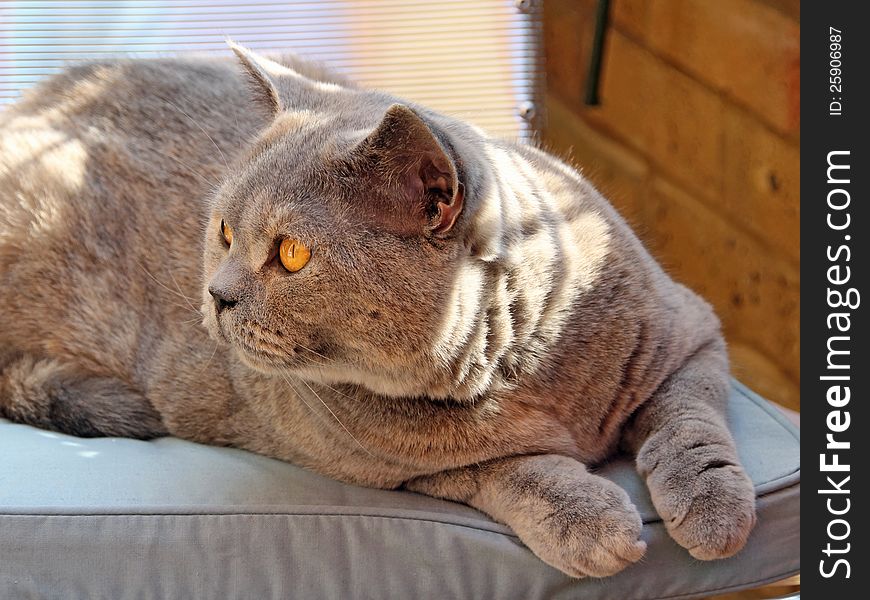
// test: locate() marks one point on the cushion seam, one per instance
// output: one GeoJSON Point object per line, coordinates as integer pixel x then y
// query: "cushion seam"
{"type": "Point", "coordinates": [240, 514]}
{"type": "Point", "coordinates": [301, 514]}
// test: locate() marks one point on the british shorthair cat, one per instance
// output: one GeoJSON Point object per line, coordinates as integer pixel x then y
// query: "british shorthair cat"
{"type": "Point", "coordinates": [266, 256]}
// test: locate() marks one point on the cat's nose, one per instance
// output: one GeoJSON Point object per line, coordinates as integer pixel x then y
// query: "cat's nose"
{"type": "Point", "coordinates": [222, 299]}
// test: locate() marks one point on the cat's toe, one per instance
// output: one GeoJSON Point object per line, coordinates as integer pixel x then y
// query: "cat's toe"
{"type": "Point", "coordinates": [593, 538]}
{"type": "Point", "coordinates": [715, 519]}
{"type": "Point", "coordinates": [612, 554]}
{"type": "Point", "coordinates": [588, 557]}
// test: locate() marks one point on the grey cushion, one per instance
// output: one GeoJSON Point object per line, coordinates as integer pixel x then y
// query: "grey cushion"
{"type": "Point", "coordinates": [117, 518]}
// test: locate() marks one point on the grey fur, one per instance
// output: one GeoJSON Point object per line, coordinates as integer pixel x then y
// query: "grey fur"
{"type": "Point", "coordinates": [476, 322]}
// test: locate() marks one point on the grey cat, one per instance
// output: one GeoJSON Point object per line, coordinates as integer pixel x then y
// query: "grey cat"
{"type": "Point", "coordinates": [389, 296]}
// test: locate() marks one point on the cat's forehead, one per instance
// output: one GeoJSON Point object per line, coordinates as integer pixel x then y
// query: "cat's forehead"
{"type": "Point", "coordinates": [292, 164]}
{"type": "Point", "coordinates": [295, 172]}
{"type": "Point", "coordinates": [311, 136]}
{"type": "Point", "coordinates": [278, 174]}
{"type": "Point", "coordinates": [273, 211]}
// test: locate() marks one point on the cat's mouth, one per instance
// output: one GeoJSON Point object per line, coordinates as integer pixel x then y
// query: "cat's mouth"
{"type": "Point", "coordinates": [268, 351]}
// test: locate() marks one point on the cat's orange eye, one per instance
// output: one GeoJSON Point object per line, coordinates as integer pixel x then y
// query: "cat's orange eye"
{"type": "Point", "coordinates": [294, 254]}
{"type": "Point", "coordinates": [227, 232]}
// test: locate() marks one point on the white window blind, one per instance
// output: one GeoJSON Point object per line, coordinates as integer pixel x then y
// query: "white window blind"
{"type": "Point", "coordinates": [476, 59]}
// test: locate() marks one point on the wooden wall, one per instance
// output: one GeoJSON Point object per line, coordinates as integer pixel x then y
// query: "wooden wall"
{"type": "Point", "coordinates": [696, 141]}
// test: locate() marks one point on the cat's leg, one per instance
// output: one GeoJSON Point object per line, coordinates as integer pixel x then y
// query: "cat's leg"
{"type": "Point", "coordinates": [52, 395]}
{"type": "Point", "coordinates": [573, 520]}
{"type": "Point", "coordinates": [689, 460]}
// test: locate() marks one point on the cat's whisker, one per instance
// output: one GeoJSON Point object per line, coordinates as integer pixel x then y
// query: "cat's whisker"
{"type": "Point", "coordinates": [337, 420]}
{"type": "Point", "coordinates": [301, 397]}
{"type": "Point", "coordinates": [337, 391]}
{"type": "Point", "coordinates": [211, 184]}
{"type": "Point", "coordinates": [310, 362]}
{"type": "Point", "coordinates": [208, 362]}
{"type": "Point", "coordinates": [178, 293]}
{"type": "Point", "coordinates": [268, 337]}
{"type": "Point", "coordinates": [315, 352]}
{"type": "Point", "coordinates": [332, 361]}
{"type": "Point", "coordinates": [195, 122]}
{"type": "Point", "coordinates": [178, 287]}
{"type": "Point", "coordinates": [366, 450]}
{"type": "Point", "coordinates": [185, 308]}
{"type": "Point", "coordinates": [316, 414]}
{"type": "Point", "coordinates": [314, 361]}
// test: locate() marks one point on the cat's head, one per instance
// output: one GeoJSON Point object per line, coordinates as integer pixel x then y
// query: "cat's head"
{"type": "Point", "coordinates": [332, 247]}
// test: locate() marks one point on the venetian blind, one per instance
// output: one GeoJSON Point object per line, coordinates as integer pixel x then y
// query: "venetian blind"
{"type": "Point", "coordinates": [476, 59]}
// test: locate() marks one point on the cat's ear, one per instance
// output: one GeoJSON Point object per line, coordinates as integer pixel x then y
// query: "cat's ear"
{"type": "Point", "coordinates": [265, 75]}
{"type": "Point", "coordinates": [404, 145]}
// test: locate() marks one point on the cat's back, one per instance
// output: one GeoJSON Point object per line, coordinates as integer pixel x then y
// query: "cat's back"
{"type": "Point", "coordinates": [125, 99]}
{"type": "Point", "coordinates": [143, 109]}
{"type": "Point", "coordinates": [144, 125]}
{"type": "Point", "coordinates": [104, 172]}
{"type": "Point", "coordinates": [130, 126]}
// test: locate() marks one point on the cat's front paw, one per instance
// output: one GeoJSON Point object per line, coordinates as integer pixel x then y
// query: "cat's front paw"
{"type": "Point", "coordinates": [709, 508]}
{"type": "Point", "coordinates": [592, 530]}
